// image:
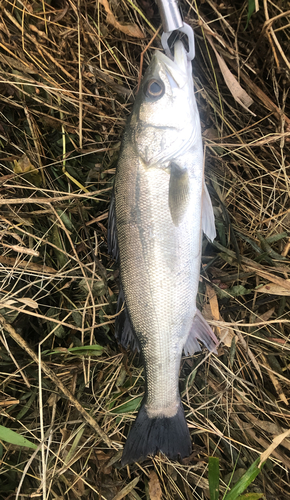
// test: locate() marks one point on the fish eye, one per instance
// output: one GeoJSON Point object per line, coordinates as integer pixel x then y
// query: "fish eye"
{"type": "Point", "coordinates": [154, 89]}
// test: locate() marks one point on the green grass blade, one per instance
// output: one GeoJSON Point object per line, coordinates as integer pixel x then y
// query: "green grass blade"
{"type": "Point", "coordinates": [213, 477]}
{"type": "Point", "coordinates": [89, 350]}
{"type": "Point", "coordinates": [251, 10]}
{"type": "Point", "coordinates": [12, 437]}
{"type": "Point", "coordinates": [26, 406]}
{"type": "Point", "coordinates": [245, 481]}
{"type": "Point", "coordinates": [128, 406]}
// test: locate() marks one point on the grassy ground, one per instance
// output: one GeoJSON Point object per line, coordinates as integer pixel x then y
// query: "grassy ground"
{"type": "Point", "coordinates": [68, 75]}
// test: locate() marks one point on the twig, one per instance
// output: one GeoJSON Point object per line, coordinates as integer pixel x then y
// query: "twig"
{"type": "Point", "coordinates": [50, 374]}
{"type": "Point", "coordinates": [142, 57]}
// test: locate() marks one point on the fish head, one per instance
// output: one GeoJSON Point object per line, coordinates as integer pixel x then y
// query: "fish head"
{"type": "Point", "coordinates": [165, 119]}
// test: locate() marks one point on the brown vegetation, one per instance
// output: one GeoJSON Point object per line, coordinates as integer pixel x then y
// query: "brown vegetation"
{"type": "Point", "coordinates": [69, 71]}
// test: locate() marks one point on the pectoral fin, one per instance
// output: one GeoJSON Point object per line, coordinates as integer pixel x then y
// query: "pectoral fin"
{"type": "Point", "coordinates": [200, 330]}
{"type": "Point", "coordinates": [208, 225]}
{"type": "Point", "coordinates": [178, 193]}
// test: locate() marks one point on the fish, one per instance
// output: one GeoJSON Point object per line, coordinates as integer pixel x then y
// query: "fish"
{"type": "Point", "coordinates": [159, 207]}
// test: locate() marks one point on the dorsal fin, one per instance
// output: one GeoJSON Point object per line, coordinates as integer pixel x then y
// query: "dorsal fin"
{"type": "Point", "coordinates": [112, 241]}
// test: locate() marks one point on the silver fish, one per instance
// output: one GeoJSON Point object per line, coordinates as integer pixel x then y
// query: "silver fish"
{"type": "Point", "coordinates": [158, 210]}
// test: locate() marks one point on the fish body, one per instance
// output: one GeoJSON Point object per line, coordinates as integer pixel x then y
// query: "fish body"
{"type": "Point", "coordinates": [159, 208]}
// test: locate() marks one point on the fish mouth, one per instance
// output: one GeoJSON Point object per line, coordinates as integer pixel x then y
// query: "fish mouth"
{"type": "Point", "coordinates": [177, 69]}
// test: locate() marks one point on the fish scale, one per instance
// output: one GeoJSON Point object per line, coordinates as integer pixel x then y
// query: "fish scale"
{"type": "Point", "coordinates": [159, 207]}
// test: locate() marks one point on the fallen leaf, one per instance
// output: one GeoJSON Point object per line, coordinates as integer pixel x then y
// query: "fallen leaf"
{"type": "Point", "coordinates": [267, 315]}
{"type": "Point", "coordinates": [269, 427]}
{"type": "Point", "coordinates": [155, 491]}
{"type": "Point", "coordinates": [225, 334]}
{"type": "Point", "coordinates": [274, 380]}
{"type": "Point", "coordinates": [276, 441]}
{"type": "Point", "coordinates": [284, 283]}
{"type": "Point", "coordinates": [24, 166]}
{"type": "Point", "coordinates": [128, 29]}
{"type": "Point", "coordinates": [272, 428]}
{"type": "Point", "coordinates": [79, 488]}
{"type": "Point", "coordinates": [213, 302]}
{"type": "Point", "coordinates": [127, 489]}
{"type": "Point", "coordinates": [29, 302]}
{"type": "Point", "coordinates": [8, 302]}
{"type": "Point", "coordinates": [211, 133]}
{"type": "Point", "coordinates": [239, 94]}
{"type": "Point", "coordinates": [274, 289]}
{"type": "Point", "coordinates": [53, 399]}
{"type": "Point", "coordinates": [39, 268]}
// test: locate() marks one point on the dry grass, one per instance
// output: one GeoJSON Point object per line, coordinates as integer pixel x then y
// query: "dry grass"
{"type": "Point", "coordinates": [68, 78]}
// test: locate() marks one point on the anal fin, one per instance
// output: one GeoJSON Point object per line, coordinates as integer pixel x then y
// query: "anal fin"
{"type": "Point", "coordinates": [123, 327]}
{"type": "Point", "coordinates": [200, 330]}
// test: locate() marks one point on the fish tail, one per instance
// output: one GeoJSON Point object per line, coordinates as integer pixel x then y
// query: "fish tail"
{"type": "Point", "coordinates": [150, 435]}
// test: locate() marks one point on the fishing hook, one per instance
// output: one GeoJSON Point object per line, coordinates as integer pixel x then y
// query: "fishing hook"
{"type": "Point", "coordinates": [172, 21]}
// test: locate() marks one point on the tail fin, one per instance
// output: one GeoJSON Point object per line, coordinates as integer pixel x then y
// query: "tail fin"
{"type": "Point", "coordinates": [150, 435]}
